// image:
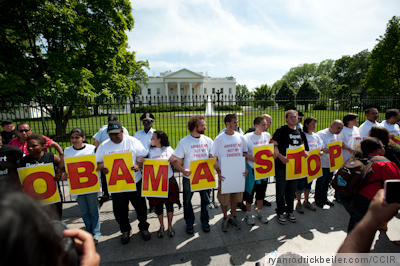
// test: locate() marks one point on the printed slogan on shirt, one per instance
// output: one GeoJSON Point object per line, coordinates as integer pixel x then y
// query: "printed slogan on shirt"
{"type": "Point", "coordinates": [396, 140]}
{"type": "Point", "coordinates": [83, 177]}
{"type": "Point", "coordinates": [297, 166]}
{"type": "Point", "coordinates": [202, 175]}
{"type": "Point", "coordinates": [314, 165]}
{"type": "Point", "coordinates": [155, 178]}
{"type": "Point", "coordinates": [38, 182]}
{"type": "Point", "coordinates": [265, 165]}
{"type": "Point", "coordinates": [120, 177]}
{"type": "Point", "coordinates": [335, 155]}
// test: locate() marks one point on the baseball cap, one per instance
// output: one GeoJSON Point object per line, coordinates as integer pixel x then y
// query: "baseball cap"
{"type": "Point", "coordinates": [114, 127]}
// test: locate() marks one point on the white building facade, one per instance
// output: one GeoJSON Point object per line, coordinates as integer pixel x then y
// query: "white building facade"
{"type": "Point", "coordinates": [185, 87]}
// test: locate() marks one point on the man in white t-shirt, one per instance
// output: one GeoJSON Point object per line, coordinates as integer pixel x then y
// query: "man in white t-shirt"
{"type": "Point", "coordinates": [328, 135]}
{"type": "Point", "coordinates": [145, 134]}
{"type": "Point", "coordinates": [120, 143]}
{"type": "Point", "coordinates": [392, 116]}
{"type": "Point", "coordinates": [348, 135]}
{"type": "Point", "coordinates": [222, 147]}
{"type": "Point", "coordinates": [372, 115]}
{"type": "Point", "coordinates": [195, 146]}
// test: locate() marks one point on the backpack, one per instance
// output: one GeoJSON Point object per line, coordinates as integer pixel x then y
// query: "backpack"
{"type": "Point", "coordinates": [354, 175]}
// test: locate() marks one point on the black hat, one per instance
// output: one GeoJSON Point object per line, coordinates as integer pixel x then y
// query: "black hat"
{"type": "Point", "coordinates": [300, 114]}
{"type": "Point", "coordinates": [112, 118]}
{"type": "Point", "coordinates": [6, 122]}
{"type": "Point", "coordinates": [147, 116]}
{"type": "Point", "coordinates": [114, 127]}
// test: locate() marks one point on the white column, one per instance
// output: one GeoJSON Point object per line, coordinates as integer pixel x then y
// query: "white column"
{"type": "Point", "coordinates": [179, 93]}
{"type": "Point", "coordinates": [202, 91]}
{"type": "Point", "coordinates": [191, 94]}
{"type": "Point", "coordinates": [166, 91]}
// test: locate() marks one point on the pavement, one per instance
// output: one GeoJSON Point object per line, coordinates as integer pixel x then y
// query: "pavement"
{"type": "Point", "coordinates": [322, 231]}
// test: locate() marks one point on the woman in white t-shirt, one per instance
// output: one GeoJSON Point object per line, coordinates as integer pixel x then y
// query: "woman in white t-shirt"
{"type": "Point", "coordinates": [348, 133]}
{"type": "Point", "coordinates": [161, 150]}
{"type": "Point", "coordinates": [88, 203]}
{"type": "Point", "coordinates": [314, 142]}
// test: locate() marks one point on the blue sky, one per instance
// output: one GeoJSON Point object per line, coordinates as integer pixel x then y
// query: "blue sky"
{"type": "Point", "coordinates": [256, 42]}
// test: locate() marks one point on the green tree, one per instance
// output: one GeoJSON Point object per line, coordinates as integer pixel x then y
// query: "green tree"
{"type": "Point", "coordinates": [64, 50]}
{"type": "Point", "coordinates": [296, 76]}
{"type": "Point", "coordinates": [263, 96]}
{"type": "Point", "coordinates": [383, 76]}
{"type": "Point", "coordinates": [308, 94]}
{"type": "Point", "coordinates": [285, 97]}
{"type": "Point", "coordinates": [243, 95]}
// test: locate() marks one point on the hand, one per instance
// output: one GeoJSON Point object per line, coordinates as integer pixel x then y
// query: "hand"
{"type": "Point", "coordinates": [103, 170]}
{"type": "Point", "coordinates": [135, 168]}
{"type": "Point", "coordinates": [85, 246]}
{"type": "Point", "coordinates": [251, 158]}
{"type": "Point", "coordinates": [283, 159]}
{"type": "Point", "coordinates": [221, 178]}
{"type": "Point", "coordinates": [325, 150]}
{"type": "Point", "coordinates": [140, 159]}
{"type": "Point", "coordinates": [305, 154]}
{"type": "Point", "coordinates": [186, 172]}
{"type": "Point", "coordinates": [351, 150]}
{"type": "Point", "coordinates": [245, 173]}
{"type": "Point", "coordinates": [64, 176]}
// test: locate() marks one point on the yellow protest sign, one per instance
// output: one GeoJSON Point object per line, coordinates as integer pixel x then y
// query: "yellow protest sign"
{"type": "Point", "coordinates": [120, 177]}
{"type": "Point", "coordinates": [335, 155]}
{"type": "Point", "coordinates": [265, 165]}
{"type": "Point", "coordinates": [155, 178]}
{"type": "Point", "coordinates": [396, 140]}
{"type": "Point", "coordinates": [314, 165]}
{"type": "Point", "coordinates": [38, 182]}
{"type": "Point", "coordinates": [202, 175]}
{"type": "Point", "coordinates": [83, 177]}
{"type": "Point", "coordinates": [297, 166]}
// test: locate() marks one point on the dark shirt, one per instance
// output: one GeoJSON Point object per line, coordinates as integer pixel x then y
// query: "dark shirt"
{"type": "Point", "coordinates": [9, 158]}
{"type": "Point", "coordinates": [393, 154]}
{"type": "Point", "coordinates": [7, 136]}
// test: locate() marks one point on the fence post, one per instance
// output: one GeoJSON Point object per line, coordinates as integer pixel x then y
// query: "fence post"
{"type": "Point", "coordinates": [134, 108]}
{"type": "Point", "coordinates": [218, 101]}
{"type": "Point", "coordinates": [41, 113]}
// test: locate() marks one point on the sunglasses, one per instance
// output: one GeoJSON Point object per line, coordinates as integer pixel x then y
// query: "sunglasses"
{"type": "Point", "coordinates": [147, 121]}
{"type": "Point", "coordinates": [23, 130]}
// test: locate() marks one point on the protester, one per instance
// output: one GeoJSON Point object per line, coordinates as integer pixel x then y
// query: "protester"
{"type": "Point", "coordinates": [254, 139]}
{"type": "Point", "coordinates": [161, 150]}
{"type": "Point", "coordinates": [314, 142]}
{"type": "Point", "coordinates": [300, 116]}
{"type": "Point", "coordinates": [145, 134]}
{"type": "Point", "coordinates": [195, 146]}
{"type": "Point", "coordinates": [347, 135]}
{"type": "Point", "coordinates": [238, 129]}
{"type": "Point", "coordinates": [87, 202]}
{"type": "Point", "coordinates": [382, 170]}
{"type": "Point", "coordinates": [8, 132]}
{"type": "Point", "coordinates": [392, 116]}
{"type": "Point", "coordinates": [222, 144]}
{"type": "Point", "coordinates": [328, 135]}
{"type": "Point", "coordinates": [372, 115]}
{"type": "Point", "coordinates": [23, 132]}
{"type": "Point", "coordinates": [37, 156]}
{"type": "Point", "coordinates": [9, 158]}
{"type": "Point", "coordinates": [288, 136]}
{"type": "Point", "coordinates": [120, 143]}
{"type": "Point", "coordinates": [392, 152]}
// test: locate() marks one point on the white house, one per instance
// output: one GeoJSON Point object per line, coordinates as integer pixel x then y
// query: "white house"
{"type": "Point", "coordinates": [185, 87]}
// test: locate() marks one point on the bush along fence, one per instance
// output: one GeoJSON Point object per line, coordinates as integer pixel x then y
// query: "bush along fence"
{"type": "Point", "coordinates": [55, 118]}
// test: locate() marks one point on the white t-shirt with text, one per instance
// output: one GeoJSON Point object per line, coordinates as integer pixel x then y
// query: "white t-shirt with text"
{"type": "Point", "coordinates": [253, 140]}
{"type": "Point", "coordinates": [162, 154]}
{"type": "Point", "coordinates": [347, 137]}
{"type": "Point", "coordinates": [326, 137]}
{"type": "Point", "coordinates": [229, 146]}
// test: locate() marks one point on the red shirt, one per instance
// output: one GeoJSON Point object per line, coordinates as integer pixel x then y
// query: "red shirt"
{"type": "Point", "coordinates": [381, 170]}
{"type": "Point", "coordinates": [23, 146]}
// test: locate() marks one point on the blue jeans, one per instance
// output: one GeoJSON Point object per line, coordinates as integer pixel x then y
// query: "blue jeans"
{"type": "Point", "coordinates": [285, 190]}
{"type": "Point", "coordinates": [90, 213]}
{"type": "Point", "coordinates": [322, 185]}
{"type": "Point", "coordinates": [357, 207]}
{"type": "Point", "coordinates": [187, 204]}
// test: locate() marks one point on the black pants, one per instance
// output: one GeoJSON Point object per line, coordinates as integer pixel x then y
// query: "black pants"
{"type": "Point", "coordinates": [104, 184]}
{"type": "Point", "coordinates": [121, 208]}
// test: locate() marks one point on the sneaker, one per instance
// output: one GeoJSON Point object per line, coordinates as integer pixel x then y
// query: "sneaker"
{"type": "Point", "coordinates": [249, 219]}
{"type": "Point", "coordinates": [266, 203]}
{"type": "Point", "coordinates": [330, 203]}
{"type": "Point", "coordinates": [291, 217]}
{"type": "Point", "coordinates": [308, 205]}
{"type": "Point", "coordinates": [96, 241]}
{"type": "Point", "coordinates": [161, 232]}
{"type": "Point", "coordinates": [225, 225]}
{"type": "Point", "coordinates": [281, 218]}
{"type": "Point", "coordinates": [242, 206]}
{"type": "Point", "coordinates": [189, 229]}
{"type": "Point", "coordinates": [235, 223]}
{"type": "Point", "coordinates": [125, 237]}
{"type": "Point", "coordinates": [299, 208]}
{"type": "Point", "coordinates": [319, 204]}
{"type": "Point", "coordinates": [171, 231]}
{"type": "Point", "coordinates": [206, 227]}
{"type": "Point", "coordinates": [263, 218]}
{"type": "Point", "coordinates": [145, 235]}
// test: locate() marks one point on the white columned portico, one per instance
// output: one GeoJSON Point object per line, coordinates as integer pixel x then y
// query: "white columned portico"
{"type": "Point", "coordinates": [166, 92]}
{"type": "Point", "coordinates": [179, 93]}
{"type": "Point", "coordinates": [191, 94]}
{"type": "Point", "coordinates": [202, 90]}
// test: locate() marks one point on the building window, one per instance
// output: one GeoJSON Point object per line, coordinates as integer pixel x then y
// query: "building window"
{"type": "Point", "coordinates": [192, 90]}
{"type": "Point", "coordinates": [149, 91]}
{"type": "Point", "coordinates": [230, 90]}
{"type": "Point", "coordinates": [158, 91]}
{"type": "Point", "coordinates": [181, 91]}
{"type": "Point", "coordinates": [222, 90]}
{"type": "Point", "coordinates": [205, 90]}
{"type": "Point", "coordinates": [213, 90]}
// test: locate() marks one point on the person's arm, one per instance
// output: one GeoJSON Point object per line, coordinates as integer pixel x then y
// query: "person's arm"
{"type": "Point", "coordinates": [57, 147]}
{"type": "Point", "coordinates": [100, 167]}
{"type": "Point", "coordinates": [84, 244]}
{"type": "Point", "coordinates": [379, 212]}
{"type": "Point", "coordinates": [96, 143]}
{"type": "Point", "coordinates": [60, 167]}
{"type": "Point", "coordinates": [176, 162]}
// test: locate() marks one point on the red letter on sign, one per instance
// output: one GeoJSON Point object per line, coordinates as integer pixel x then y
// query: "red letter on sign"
{"type": "Point", "coordinates": [334, 152]}
{"type": "Point", "coordinates": [75, 175]}
{"type": "Point", "coordinates": [126, 175]}
{"type": "Point", "coordinates": [198, 176]}
{"type": "Point", "coordinates": [48, 178]}
{"type": "Point", "coordinates": [297, 161]}
{"type": "Point", "coordinates": [162, 176]}
{"type": "Point", "coordinates": [317, 160]}
{"type": "Point", "coordinates": [261, 161]}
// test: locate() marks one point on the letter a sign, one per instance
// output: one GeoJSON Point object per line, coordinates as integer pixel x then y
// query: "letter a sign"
{"type": "Point", "coordinates": [120, 177]}
{"type": "Point", "coordinates": [155, 178]}
{"type": "Point", "coordinates": [203, 174]}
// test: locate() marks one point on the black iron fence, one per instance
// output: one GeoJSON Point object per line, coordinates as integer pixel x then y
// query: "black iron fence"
{"type": "Point", "coordinates": [56, 118]}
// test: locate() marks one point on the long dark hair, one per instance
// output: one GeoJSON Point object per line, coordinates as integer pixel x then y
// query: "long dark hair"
{"type": "Point", "coordinates": [368, 145]}
{"type": "Point", "coordinates": [307, 121]}
{"type": "Point", "coordinates": [163, 138]}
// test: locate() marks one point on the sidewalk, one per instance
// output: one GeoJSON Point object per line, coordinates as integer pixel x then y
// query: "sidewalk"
{"type": "Point", "coordinates": [322, 231]}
